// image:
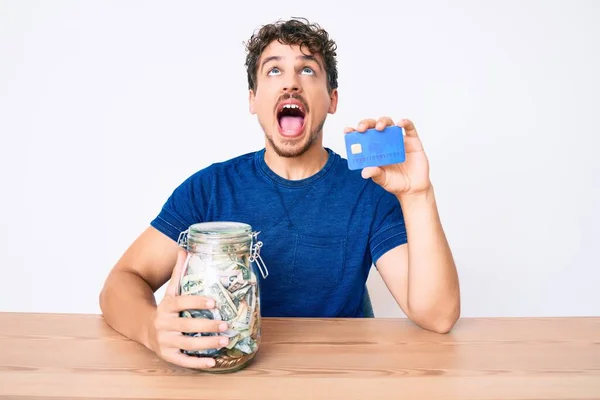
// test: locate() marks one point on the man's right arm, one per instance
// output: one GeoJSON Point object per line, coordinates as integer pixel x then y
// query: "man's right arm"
{"type": "Point", "coordinates": [127, 299]}
{"type": "Point", "coordinates": [129, 307]}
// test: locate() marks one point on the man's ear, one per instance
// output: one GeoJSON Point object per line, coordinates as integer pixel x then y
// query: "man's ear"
{"type": "Point", "coordinates": [251, 100]}
{"type": "Point", "coordinates": [333, 98]}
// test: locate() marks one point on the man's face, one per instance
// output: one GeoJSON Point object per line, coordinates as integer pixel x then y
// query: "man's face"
{"type": "Point", "coordinates": [291, 98]}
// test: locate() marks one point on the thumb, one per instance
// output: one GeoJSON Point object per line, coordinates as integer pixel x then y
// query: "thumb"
{"type": "Point", "coordinates": [375, 173]}
{"type": "Point", "coordinates": [173, 286]}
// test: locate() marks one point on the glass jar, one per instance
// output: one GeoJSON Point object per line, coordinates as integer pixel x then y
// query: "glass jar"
{"type": "Point", "coordinates": [221, 264]}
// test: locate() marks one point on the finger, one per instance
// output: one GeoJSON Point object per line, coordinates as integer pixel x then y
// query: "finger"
{"type": "Point", "coordinates": [192, 362]}
{"type": "Point", "coordinates": [349, 129]}
{"type": "Point", "coordinates": [194, 343]}
{"type": "Point", "coordinates": [409, 127]}
{"type": "Point", "coordinates": [383, 122]}
{"type": "Point", "coordinates": [173, 286]}
{"type": "Point", "coordinates": [191, 302]}
{"type": "Point", "coordinates": [366, 124]}
{"type": "Point", "coordinates": [375, 173]}
{"type": "Point", "coordinates": [193, 325]}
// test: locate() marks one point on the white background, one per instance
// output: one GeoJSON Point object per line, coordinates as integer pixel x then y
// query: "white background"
{"type": "Point", "coordinates": [106, 106]}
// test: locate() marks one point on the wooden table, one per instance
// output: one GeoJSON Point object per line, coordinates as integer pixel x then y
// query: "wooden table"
{"type": "Point", "coordinates": [55, 356]}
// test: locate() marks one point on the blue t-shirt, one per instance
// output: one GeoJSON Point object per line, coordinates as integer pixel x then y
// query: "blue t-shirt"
{"type": "Point", "coordinates": [320, 235]}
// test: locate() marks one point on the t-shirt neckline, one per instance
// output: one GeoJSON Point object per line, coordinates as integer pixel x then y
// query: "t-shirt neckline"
{"type": "Point", "coordinates": [271, 175]}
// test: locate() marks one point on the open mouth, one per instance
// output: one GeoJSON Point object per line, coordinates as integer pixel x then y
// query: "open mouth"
{"type": "Point", "coordinates": [290, 116]}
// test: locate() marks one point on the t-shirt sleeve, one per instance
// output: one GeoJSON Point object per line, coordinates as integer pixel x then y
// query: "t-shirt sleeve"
{"type": "Point", "coordinates": [389, 230]}
{"type": "Point", "coordinates": [185, 206]}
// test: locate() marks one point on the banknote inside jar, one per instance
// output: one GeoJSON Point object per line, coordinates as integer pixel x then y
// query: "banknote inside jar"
{"type": "Point", "coordinates": [225, 274]}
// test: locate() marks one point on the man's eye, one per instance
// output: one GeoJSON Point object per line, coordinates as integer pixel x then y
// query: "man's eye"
{"type": "Point", "coordinates": [274, 71]}
{"type": "Point", "coordinates": [307, 70]}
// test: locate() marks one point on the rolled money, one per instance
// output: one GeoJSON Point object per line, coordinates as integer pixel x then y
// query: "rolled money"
{"type": "Point", "coordinates": [190, 283]}
{"type": "Point", "coordinates": [226, 306]}
{"type": "Point", "coordinates": [241, 293]}
{"type": "Point", "coordinates": [246, 345]}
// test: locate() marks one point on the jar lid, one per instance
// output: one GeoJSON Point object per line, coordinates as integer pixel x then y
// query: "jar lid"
{"type": "Point", "coordinates": [219, 230]}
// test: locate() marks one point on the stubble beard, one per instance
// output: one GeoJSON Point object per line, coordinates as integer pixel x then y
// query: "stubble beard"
{"type": "Point", "coordinates": [292, 150]}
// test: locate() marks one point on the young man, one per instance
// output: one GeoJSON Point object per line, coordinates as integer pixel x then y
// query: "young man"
{"type": "Point", "coordinates": [322, 225]}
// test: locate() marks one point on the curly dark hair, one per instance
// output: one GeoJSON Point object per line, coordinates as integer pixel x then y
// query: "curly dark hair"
{"type": "Point", "coordinates": [297, 31]}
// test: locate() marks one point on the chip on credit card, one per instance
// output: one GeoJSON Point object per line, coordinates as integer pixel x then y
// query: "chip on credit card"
{"type": "Point", "coordinates": [374, 148]}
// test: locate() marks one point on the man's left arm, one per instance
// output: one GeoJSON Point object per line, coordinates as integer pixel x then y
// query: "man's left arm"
{"type": "Point", "coordinates": [421, 275]}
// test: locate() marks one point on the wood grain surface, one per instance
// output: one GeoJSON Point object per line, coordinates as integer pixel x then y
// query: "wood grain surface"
{"type": "Point", "coordinates": [56, 356]}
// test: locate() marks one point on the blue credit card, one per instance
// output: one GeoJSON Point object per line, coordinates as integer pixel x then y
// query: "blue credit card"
{"type": "Point", "coordinates": [374, 148]}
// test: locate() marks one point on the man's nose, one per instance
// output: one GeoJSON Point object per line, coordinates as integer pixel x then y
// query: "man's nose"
{"type": "Point", "coordinates": [292, 84]}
